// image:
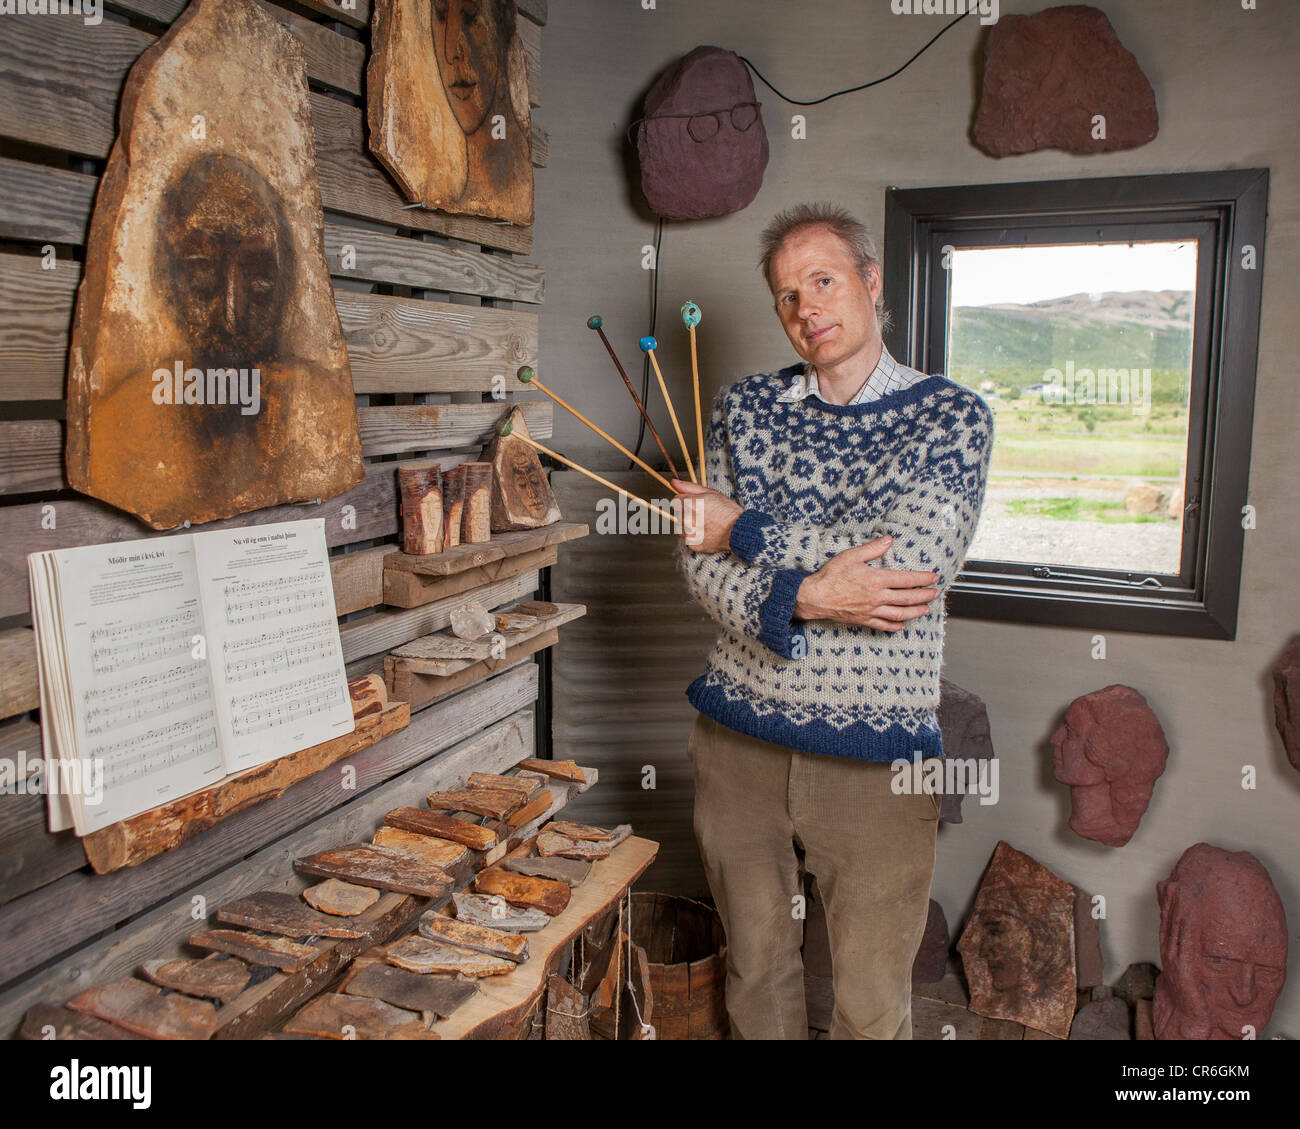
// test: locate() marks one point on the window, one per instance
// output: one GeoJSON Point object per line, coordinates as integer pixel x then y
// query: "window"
{"type": "Point", "coordinates": [1112, 327]}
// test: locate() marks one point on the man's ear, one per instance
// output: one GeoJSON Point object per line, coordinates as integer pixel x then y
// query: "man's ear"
{"type": "Point", "coordinates": [875, 284]}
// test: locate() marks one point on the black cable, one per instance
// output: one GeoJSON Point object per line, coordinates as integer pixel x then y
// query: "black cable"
{"type": "Point", "coordinates": [854, 89]}
{"type": "Point", "coordinates": [645, 363]}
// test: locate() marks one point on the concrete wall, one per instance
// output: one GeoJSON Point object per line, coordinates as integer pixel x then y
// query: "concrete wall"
{"type": "Point", "coordinates": [1227, 83]}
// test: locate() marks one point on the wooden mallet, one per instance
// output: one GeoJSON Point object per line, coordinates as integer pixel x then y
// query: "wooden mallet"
{"type": "Point", "coordinates": [504, 428]}
{"type": "Point", "coordinates": [648, 346]}
{"type": "Point", "coordinates": [528, 376]}
{"type": "Point", "coordinates": [691, 318]}
{"type": "Point", "coordinates": [596, 322]}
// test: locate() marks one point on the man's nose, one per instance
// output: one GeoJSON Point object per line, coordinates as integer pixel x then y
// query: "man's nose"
{"type": "Point", "coordinates": [451, 45]}
{"type": "Point", "coordinates": [231, 304]}
{"type": "Point", "coordinates": [1242, 985]}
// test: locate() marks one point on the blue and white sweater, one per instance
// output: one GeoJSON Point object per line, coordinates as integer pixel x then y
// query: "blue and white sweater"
{"type": "Point", "coordinates": [815, 479]}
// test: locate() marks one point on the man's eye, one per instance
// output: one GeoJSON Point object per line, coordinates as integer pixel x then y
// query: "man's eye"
{"type": "Point", "coordinates": [825, 280]}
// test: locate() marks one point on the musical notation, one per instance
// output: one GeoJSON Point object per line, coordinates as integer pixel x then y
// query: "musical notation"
{"type": "Point", "coordinates": [139, 699]}
{"type": "Point", "coordinates": [283, 705]}
{"type": "Point", "coordinates": [157, 750]}
{"type": "Point", "coordinates": [274, 652]}
{"type": "Point", "coordinates": [119, 648]}
{"type": "Point", "coordinates": [249, 601]}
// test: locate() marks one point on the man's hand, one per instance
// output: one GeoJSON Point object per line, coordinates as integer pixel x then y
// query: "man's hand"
{"type": "Point", "coordinates": [849, 590]}
{"type": "Point", "coordinates": [707, 517]}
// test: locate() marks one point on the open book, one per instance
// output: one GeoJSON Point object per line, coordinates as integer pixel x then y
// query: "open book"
{"type": "Point", "coordinates": [167, 664]}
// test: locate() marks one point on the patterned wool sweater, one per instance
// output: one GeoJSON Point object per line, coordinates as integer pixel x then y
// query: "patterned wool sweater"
{"type": "Point", "coordinates": [815, 479]}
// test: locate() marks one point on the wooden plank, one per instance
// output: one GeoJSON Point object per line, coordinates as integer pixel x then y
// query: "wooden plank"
{"type": "Point", "coordinates": [421, 690]}
{"type": "Point", "coordinates": [410, 590]}
{"type": "Point", "coordinates": [404, 428]}
{"type": "Point", "coordinates": [359, 579]}
{"type": "Point", "coordinates": [354, 13]}
{"type": "Point", "coordinates": [541, 146]}
{"type": "Point", "coordinates": [385, 630]}
{"type": "Point", "coordinates": [19, 688]}
{"type": "Point", "coordinates": [394, 344]}
{"type": "Point", "coordinates": [530, 35]}
{"type": "Point", "coordinates": [535, 10]}
{"type": "Point", "coordinates": [502, 545]}
{"type": "Point", "coordinates": [365, 864]}
{"type": "Point", "coordinates": [144, 836]}
{"type": "Point", "coordinates": [31, 456]}
{"type": "Point", "coordinates": [376, 257]}
{"type": "Point", "coordinates": [36, 926]}
{"type": "Point", "coordinates": [503, 1001]}
{"type": "Point", "coordinates": [427, 655]}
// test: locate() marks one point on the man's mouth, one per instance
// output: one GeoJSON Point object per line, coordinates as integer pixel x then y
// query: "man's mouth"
{"type": "Point", "coordinates": [463, 89]}
{"type": "Point", "coordinates": [816, 334]}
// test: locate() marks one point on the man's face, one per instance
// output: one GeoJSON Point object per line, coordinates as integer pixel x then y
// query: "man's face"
{"type": "Point", "coordinates": [825, 307]}
{"type": "Point", "coordinates": [467, 43]}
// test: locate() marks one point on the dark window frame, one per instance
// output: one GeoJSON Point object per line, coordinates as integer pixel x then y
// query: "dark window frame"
{"type": "Point", "coordinates": [1225, 211]}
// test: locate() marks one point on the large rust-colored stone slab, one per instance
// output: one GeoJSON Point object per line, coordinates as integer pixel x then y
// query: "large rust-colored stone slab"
{"type": "Point", "coordinates": [572, 871]}
{"type": "Point", "coordinates": [420, 954]}
{"type": "Point", "coordinates": [340, 1016]}
{"type": "Point", "coordinates": [44, 1022]}
{"type": "Point", "coordinates": [1223, 947]}
{"type": "Point", "coordinates": [442, 853]}
{"type": "Point", "coordinates": [521, 495]}
{"type": "Point", "coordinates": [520, 890]}
{"type": "Point", "coordinates": [447, 105]}
{"type": "Point", "coordinates": [496, 913]}
{"type": "Point", "coordinates": [1048, 76]}
{"type": "Point", "coordinates": [209, 979]}
{"type": "Point", "coordinates": [494, 942]}
{"type": "Point", "coordinates": [277, 952]}
{"type": "Point", "coordinates": [442, 827]}
{"type": "Point", "coordinates": [440, 995]}
{"type": "Point", "coordinates": [496, 803]}
{"type": "Point", "coordinates": [1110, 750]}
{"type": "Point", "coordinates": [364, 864]}
{"type": "Point", "coordinates": [1018, 947]}
{"type": "Point", "coordinates": [208, 374]}
{"type": "Point", "coordinates": [340, 898]}
{"type": "Point", "coordinates": [274, 911]}
{"type": "Point", "coordinates": [147, 1010]}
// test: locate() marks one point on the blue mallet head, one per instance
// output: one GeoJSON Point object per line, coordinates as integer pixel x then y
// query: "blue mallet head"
{"type": "Point", "coordinates": [648, 343]}
{"type": "Point", "coordinates": [691, 315]}
{"type": "Point", "coordinates": [595, 321]}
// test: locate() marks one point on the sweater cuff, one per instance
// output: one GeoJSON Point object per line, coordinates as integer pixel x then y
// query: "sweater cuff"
{"type": "Point", "coordinates": [749, 534]}
{"type": "Point", "coordinates": [776, 616]}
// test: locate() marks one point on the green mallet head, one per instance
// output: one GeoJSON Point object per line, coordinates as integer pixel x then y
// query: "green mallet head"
{"type": "Point", "coordinates": [691, 315]}
{"type": "Point", "coordinates": [595, 321]}
{"type": "Point", "coordinates": [504, 427]}
{"type": "Point", "coordinates": [526, 374]}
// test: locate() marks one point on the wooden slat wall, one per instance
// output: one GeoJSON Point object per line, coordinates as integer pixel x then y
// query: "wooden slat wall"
{"type": "Point", "coordinates": [437, 319]}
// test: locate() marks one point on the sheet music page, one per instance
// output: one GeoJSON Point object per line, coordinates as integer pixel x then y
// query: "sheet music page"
{"type": "Point", "coordinates": [273, 640]}
{"type": "Point", "coordinates": [57, 725]}
{"type": "Point", "coordinates": [142, 702]}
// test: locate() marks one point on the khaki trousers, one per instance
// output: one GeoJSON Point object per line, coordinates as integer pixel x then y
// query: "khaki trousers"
{"type": "Point", "coordinates": [871, 852]}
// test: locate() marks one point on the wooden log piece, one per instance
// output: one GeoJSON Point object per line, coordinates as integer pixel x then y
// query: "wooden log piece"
{"type": "Point", "coordinates": [147, 1010]}
{"type": "Point", "coordinates": [521, 495]}
{"type": "Point", "coordinates": [340, 1016]}
{"type": "Point", "coordinates": [421, 489]}
{"type": "Point", "coordinates": [495, 803]}
{"type": "Point", "coordinates": [495, 942]}
{"type": "Point", "coordinates": [453, 506]}
{"type": "Point", "coordinates": [441, 853]}
{"type": "Point", "coordinates": [405, 989]}
{"type": "Point", "coordinates": [277, 952]}
{"type": "Point", "coordinates": [522, 891]}
{"type": "Point", "coordinates": [369, 696]}
{"type": "Point", "coordinates": [364, 864]}
{"type": "Point", "coordinates": [476, 524]}
{"type": "Point", "coordinates": [340, 898]}
{"type": "Point", "coordinates": [442, 827]}
{"type": "Point", "coordinates": [286, 915]}
{"type": "Point", "coordinates": [212, 978]}
{"type": "Point", "coordinates": [421, 955]}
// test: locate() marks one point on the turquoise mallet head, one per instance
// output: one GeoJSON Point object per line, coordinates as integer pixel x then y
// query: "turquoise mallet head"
{"type": "Point", "coordinates": [595, 321]}
{"type": "Point", "coordinates": [691, 315]}
{"type": "Point", "coordinates": [648, 344]}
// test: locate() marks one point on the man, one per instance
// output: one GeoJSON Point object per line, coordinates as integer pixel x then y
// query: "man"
{"type": "Point", "coordinates": [843, 495]}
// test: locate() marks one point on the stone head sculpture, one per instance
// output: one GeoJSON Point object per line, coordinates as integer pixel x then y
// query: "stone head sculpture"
{"type": "Point", "coordinates": [964, 723]}
{"type": "Point", "coordinates": [1110, 751]}
{"type": "Point", "coordinates": [700, 139]}
{"type": "Point", "coordinates": [1223, 947]}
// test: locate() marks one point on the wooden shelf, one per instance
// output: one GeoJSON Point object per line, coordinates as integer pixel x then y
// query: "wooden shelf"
{"type": "Point", "coordinates": [502, 545]}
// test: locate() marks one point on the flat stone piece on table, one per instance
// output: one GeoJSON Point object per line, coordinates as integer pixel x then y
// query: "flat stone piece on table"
{"type": "Point", "coordinates": [494, 942]}
{"type": "Point", "coordinates": [550, 842]}
{"type": "Point", "coordinates": [208, 979]}
{"type": "Point", "coordinates": [277, 952]}
{"type": "Point", "coordinates": [381, 867]}
{"type": "Point", "coordinates": [543, 609]}
{"type": "Point", "coordinates": [243, 207]}
{"type": "Point", "coordinates": [931, 961]}
{"type": "Point", "coordinates": [572, 871]}
{"type": "Point", "coordinates": [582, 831]}
{"type": "Point", "coordinates": [442, 827]}
{"type": "Point", "coordinates": [1018, 947]}
{"type": "Point", "coordinates": [561, 770]}
{"type": "Point", "coordinates": [495, 803]}
{"type": "Point", "coordinates": [340, 1016]}
{"type": "Point", "coordinates": [1049, 75]}
{"type": "Point", "coordinates": [147, 1010]}
{"type": "Point", "coordinates": [520, 890]}
{"type": "Point", "coordinates": [43, 1022]}
{"type": "Point", "coordinates": [525, 784]}
{"type": "Point", "coordinates": [1102, 1019]}
{"type": "Point", "coordinates": [419, 954]}
{"type": "Point", "coordinates": [342, 899]}
{"type": "Point", "coordinates": [411, 990]}
{"type": "Point", "coordinates": [276, 911]}
{"type": "Point", "coordinates": [496, 913]}
{"type": "Point", "coordinates": [436, 852]}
